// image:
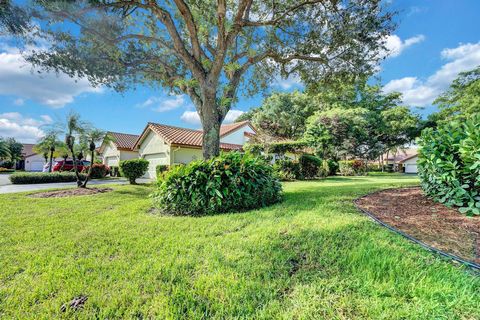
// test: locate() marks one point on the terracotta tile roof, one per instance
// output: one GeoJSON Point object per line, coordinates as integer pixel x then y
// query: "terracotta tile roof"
{"type": "Point", "coordinates": [27, 150]}
{"type": "Point", "coordinates": [184, 136]}
{"type": "Point", "coordinates": [124, 140]}
{"type": "Point", "coordinates": [228, 128]}
{"type": "Point", "coordinates": [402, 155]}
{"type": "Point", "coordinates": [409, 157]}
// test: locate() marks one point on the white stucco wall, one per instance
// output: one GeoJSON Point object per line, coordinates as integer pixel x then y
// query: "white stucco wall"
{"type": "Point", "coordinates": [153, 144]}
{"type": "Point", "coordinates": [186, 155]}
{"type": "Point", "coordinates": [237, 136]}
{"type": "Point", "coordinates": [34, 163]}
{"type": "Point", "coordinates": [128, 155]}
{"type": "Point", "coordinates": [410, 165]}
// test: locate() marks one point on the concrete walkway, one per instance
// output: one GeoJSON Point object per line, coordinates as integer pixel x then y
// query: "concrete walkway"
{"type": "Point", "coordinates": [12, 188]}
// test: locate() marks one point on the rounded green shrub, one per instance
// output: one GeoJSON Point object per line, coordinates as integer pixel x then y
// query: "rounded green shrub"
{"type": "Point", "coordinates": [230, 182]}
{"type": "Point", "coordinates": [287, 169]}
{"type": "Point", "coordinates": [449, 164]}
{"type": "Point", "coordinates": [133, 169]}
{"type": "Point", "coordinates": [309, 166]}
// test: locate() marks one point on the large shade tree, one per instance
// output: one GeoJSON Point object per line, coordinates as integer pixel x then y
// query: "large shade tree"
{"type": "Point", "coordinates": [210, 49]}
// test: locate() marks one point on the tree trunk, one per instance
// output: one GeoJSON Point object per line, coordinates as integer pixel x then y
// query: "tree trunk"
{"type": "Point", "coordinates": [84, 184]}
{"type": "Point", "coordinates": [51, 161]}
{"type": "Point", "coordinates": [211, 121]}
{"type": "Point", "coordinates": [75, 168]}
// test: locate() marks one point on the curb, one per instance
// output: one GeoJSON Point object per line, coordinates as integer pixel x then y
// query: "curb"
{"type": "Point", "coordinates": [469, 264]}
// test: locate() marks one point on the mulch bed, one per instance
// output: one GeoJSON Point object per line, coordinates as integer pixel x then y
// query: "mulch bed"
{"type": "Point", "coordinates": [70, 192]}
{"type": "Point", "coordinates": [410, 211]}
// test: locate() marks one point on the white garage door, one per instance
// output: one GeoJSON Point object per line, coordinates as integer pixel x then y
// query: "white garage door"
{"type": "Point", "coordinates": [154, 160]}
{"type": "Point", "coordinates": [411, 168]}
{"type": "Point", "coordinates": [36, 165]}
{"type": "Point", "coordinates": [111, 161]}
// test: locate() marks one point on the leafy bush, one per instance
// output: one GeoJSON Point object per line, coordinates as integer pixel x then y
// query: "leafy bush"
{"type": "Point", "coordinates": [99, 171]}
{"type": "Point", "coordinates": [133, 169]}
{"type": "Point", "coordinates": [374, 167]}
{"type": "Point", "coordinates": [352, 167]}
{"type": "Point", "coordinates": [230, 182]}
{"type": "Point", "coordinates": [43, 177]}
{"type": "Point", "coordinates": [161, 169]}
{"type": "Point", "coordinates": [309, 166]}
{"type": "Point", "coordinates": [8, 164]}
{"type": "Point", "coordinates": [332, 167]}
{"type": "Point", "coordinates": [324, 169]}
{"type": "Point", "coordinates": [287, 169]}
{"type": "Point", "coordinates": [5, 170]}
{"type": "Point", "coordinates": [449, 164]}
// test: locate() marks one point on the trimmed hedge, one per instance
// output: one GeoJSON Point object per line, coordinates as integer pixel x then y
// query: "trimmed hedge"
{"type": "Point", "coordinates": [230, 182]}
{"type": "Point", "coordinates": [43, 177]}
{"type": "Point", "coordinates": [133, 169]}
{"type": "Point", "coordinates": [309, 166]}
{"type": "Point", "coordinates": [449, 164]}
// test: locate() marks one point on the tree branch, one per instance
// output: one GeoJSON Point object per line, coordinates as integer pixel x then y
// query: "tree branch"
{"type": "Point", "coordinates": [192, 29]}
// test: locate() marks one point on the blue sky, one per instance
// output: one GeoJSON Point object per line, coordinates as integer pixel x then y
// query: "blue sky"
{"type": "Point", "coordinates": [434, 41]}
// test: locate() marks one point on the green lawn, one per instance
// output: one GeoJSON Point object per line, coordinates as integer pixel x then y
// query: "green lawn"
{"type": "Point", "coordinates": [312, 256]}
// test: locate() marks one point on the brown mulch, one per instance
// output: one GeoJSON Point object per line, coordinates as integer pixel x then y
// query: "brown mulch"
{"type": "Point", "coordinates": [410, 211]}
{"type": "Point", "coordinates": [70, 192]}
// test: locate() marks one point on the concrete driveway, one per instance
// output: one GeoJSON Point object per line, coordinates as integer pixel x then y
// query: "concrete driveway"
{"type": "Point", "coordinates": [12, 188]}
{"type": "Point", "coordinates": [4, 179]}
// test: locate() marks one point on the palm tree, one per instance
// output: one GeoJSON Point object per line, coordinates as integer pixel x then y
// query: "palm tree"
{"type": "Point", "coordinates": [74, 127]}
{"type": "Point", "coordinates": [47, 146]}
{"type": "Point", "coordinates": [92, 137]}
{"type": "Point", "coordinates": [4, 150]}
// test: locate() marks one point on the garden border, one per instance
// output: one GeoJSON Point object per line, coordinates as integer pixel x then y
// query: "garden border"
{"type": "Point", "coordinates": [470, 264]}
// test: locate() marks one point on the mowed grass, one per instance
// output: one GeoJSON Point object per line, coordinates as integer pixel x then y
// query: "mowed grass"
{"type": "Point", "coordinates": [314, 256]}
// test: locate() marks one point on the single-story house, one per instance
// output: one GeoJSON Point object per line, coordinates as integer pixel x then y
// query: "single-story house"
{"type": "Point", "coordinates": [120, 147]}
{"type": "Point", "coordinates": [168, 145]}
{"type": "Point", "coordinates": [397, 160]}
{"type": "Point", "coordinates": [31, 161]}
{"type": "Point", "coordinates": [409, 164]}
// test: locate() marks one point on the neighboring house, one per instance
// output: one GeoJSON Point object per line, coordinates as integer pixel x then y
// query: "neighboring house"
{"type": "Point", "coordinates": [396, 160]}
{"type": "Point", "coordinates": [168, 145]}
{"type": "Point", "coordinates": [409, 164]}
{"type": "Point", "coordinates": [30, 161]}
{"type": "Point", "coordinates": [119, 148]}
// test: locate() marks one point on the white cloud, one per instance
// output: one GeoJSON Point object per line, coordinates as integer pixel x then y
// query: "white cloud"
{"type": "Point", "coordinates": [17, 78]}
{"type": "Point", "coordinates": [232, 115]}
{"type": "Point", "coordinates": [163, 104]}
{"type": "Point", "coordinates": [288, 83]}
{"type": "Point", "coordinates": [421, 93]}
{"type": "Point", "coordinates": [23, 129]}
{"type": "Point", "coordinates": [192, 117]}
{"type": "Point", "coordinates": [19, 102]}
{"type": "Point", "coordinates": [395, 46]}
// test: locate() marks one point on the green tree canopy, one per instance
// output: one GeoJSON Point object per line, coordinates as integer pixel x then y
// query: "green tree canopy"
{"type": "Point", "coordinates": [284, 114]}
{"type": "Point", "coordinates": [462, 100]}
{"type": "Point", "coordinates": [210, 49]}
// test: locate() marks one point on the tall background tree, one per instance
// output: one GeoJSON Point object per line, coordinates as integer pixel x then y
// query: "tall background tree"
{"type": "Point", "coordinates": [462, 100]}
{"type": "Point", "coordinates": [211, 49]}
